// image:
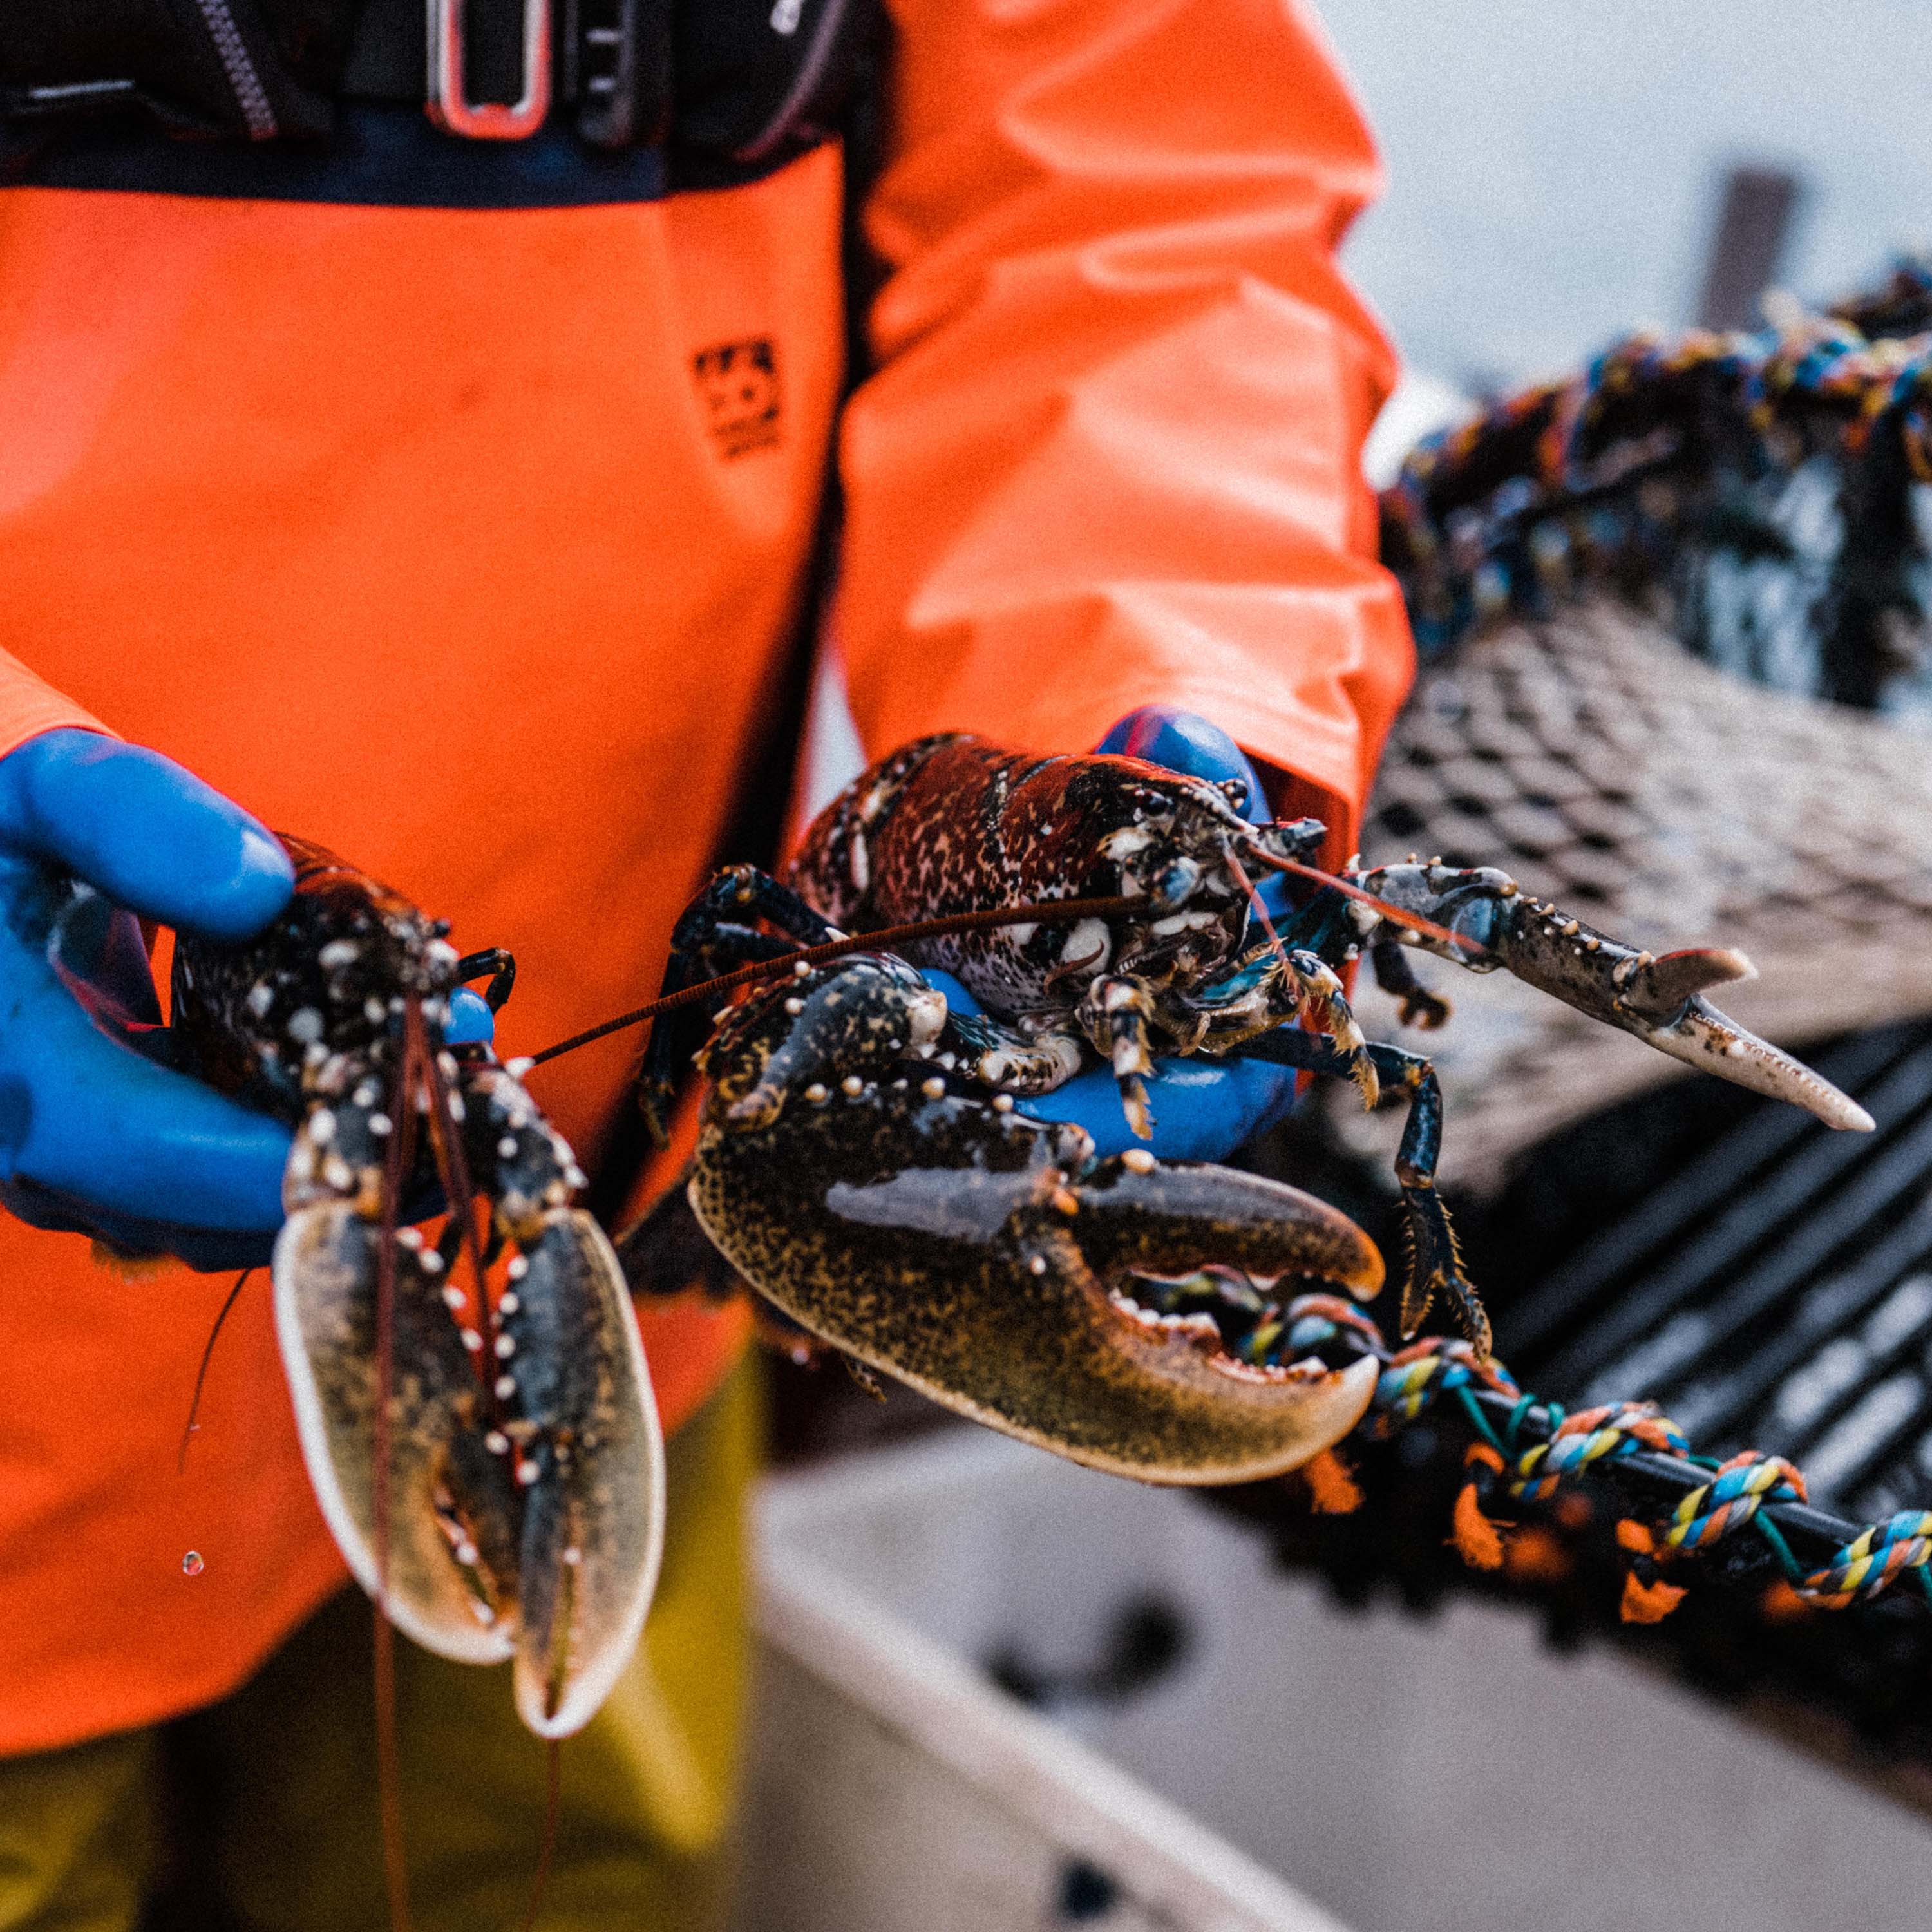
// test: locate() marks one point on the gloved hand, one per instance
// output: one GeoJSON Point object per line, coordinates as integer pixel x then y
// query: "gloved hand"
{"type": "Point", "coordinates": [96, 1136]}
{"type": "Point", "coordinates": [1203, 1109]}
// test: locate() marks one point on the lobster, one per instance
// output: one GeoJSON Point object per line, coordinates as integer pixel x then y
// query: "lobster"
{"type": "Point", "coordinates": [488, 1458]}
{"type": "Point", "coordinates": [1130, 935]}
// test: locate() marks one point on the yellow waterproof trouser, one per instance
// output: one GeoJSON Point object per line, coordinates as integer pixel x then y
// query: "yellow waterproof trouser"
{"type": "Point", "coordinates": [260, 1812]}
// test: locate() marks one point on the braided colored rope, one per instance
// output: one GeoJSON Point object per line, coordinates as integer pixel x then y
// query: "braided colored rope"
{"type": "Point", "coordinates": [1427, 1370]}
{"type": "Point", "coordinates": [1606, 477]}
{"type": "Point", "coordinates": [1873, 1561]}
{"type": "Point", "coordinates": [1719, 1500]}
{"type": "Point", "coordinates": [1714, 1509]}
{"type": "Point", "coordinates": [1616, 1429]}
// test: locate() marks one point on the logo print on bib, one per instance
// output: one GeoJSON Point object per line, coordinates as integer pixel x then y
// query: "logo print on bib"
{"type": "Point", "coordinates": [739, 384]}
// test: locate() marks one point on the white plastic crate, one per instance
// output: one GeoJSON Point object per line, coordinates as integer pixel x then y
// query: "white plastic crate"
{"type": "Point", "coordinates": [1408, 1775]}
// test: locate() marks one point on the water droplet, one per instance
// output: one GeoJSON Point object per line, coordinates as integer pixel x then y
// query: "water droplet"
{"type": "Point", "coordinates": [192, 1564]}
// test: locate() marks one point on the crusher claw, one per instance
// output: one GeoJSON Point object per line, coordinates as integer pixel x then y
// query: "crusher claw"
{"type": "Point", "coordinates": [1659, 999]}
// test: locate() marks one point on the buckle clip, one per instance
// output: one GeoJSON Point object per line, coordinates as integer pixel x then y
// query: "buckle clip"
{"type": "Point", "coordinates": [450, 108]}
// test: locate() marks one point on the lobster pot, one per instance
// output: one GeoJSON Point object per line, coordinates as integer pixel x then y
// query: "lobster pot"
{"type": "Point", "coordinates": [1211, 1743]}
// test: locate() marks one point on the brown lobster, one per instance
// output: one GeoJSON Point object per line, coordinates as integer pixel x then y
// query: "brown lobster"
{"type": "Point", "coordinates": [1132, 934]}
{"type": "Point", "coordinates": [487, 1455]}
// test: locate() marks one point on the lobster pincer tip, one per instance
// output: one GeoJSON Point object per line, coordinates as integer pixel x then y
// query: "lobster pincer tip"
{"type": "Point", "coordinates": [1658, 998]}
{"type": "Point", "coordinates": [1661, 986]}
{"type": "Point", "coordinates": [1701, 1036]}
{"type": "Point", "coordinates": [1661, 1001]}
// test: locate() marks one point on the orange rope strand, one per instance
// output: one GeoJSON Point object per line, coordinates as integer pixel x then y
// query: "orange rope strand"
{"type": "Point", "coordinates": [1478, 1540]}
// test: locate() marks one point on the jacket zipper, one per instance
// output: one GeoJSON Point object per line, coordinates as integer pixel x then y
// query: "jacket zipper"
{"type": "Point", "coordinates": [249, 93]}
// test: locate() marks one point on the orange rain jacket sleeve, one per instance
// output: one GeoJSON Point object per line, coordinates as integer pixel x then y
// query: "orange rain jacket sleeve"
{"type": "Point", "coordinates": [1112, 455]}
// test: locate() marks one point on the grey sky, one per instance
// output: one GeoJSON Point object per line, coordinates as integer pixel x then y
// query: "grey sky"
{"type": "Point", "coordinates": [1553, 164]}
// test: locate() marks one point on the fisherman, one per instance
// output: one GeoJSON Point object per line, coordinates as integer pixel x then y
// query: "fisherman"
{"type": "Point", "coordinates": [456, 471]}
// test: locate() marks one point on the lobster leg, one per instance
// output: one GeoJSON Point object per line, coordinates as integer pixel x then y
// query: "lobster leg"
{"type": "Point", "coordinates": [1435, 1258]}
{"type": "Point", "coordinates": [1115, 1015]}
{"type": "Point", "coordinates": [1290, 983]}
{"type": "Point", "coordinates": [1323, 1002]}
{"type": "Point", "coordinates": [1659, 999]}
{"type": "Point", "coordinates": [713, 936]}
{"type": "Point", "coordinates": [1397, 977]}
{"type": "Point", "coordinates": [1003, 1057]}
{"type": "Point", "coordinates": [501, 967]}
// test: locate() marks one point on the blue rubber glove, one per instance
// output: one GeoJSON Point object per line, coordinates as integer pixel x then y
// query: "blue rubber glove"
{"type": "Point", "coordinates": [1203, 1109]}
{"type": "Point", "coordinates": [96, 1135]}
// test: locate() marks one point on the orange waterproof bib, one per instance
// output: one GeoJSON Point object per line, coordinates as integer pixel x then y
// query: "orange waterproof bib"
{"type": "Point", "coordinates": [414, 530]}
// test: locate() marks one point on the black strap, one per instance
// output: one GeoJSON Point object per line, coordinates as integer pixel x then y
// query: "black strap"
{"type": "Point", "coordinates": [749, 81]}
{"type": "Point", "coordinates": [612, 61]}
{"type": "Point", "coordinates": [247, 70]}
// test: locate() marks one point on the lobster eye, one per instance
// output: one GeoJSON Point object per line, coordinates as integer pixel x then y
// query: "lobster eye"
{"type": "Point", "coordinates": [1176, 883]}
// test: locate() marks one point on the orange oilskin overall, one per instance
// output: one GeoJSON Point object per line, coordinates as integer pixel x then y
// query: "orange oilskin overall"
{"type": "Point", "coordinates": [469, 542]}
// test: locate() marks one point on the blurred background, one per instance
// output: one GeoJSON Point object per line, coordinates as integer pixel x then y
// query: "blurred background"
{"type": "Point", "coordinates": [1557, 173]}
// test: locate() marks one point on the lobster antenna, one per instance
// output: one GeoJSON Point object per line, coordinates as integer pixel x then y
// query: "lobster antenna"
{"type": "Point", "coordinates": [1247, 885]}
{"type": "Point", "coordinates": [1396, 915]}
{"type": "Point", "coordinates": [552, 1753]}
{"type": "Point", "coordinates": [395, 1169]}
{"type": "Point", "coordinates": [201, 1374]}
{"type": "Point", "coordinates": [1050, 912]}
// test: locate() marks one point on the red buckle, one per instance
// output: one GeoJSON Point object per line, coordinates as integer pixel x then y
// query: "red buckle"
{"type": "Point", "coordinates": [451, 108]}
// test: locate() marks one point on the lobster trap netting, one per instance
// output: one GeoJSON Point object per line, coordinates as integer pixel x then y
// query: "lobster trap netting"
{"type": "Point", "coordinates": [1673, 615]}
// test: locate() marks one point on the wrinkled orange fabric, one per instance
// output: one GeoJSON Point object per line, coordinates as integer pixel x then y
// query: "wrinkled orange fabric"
{"type": "Point", "coordinates": [1114, 449]}
{"type": "Point", "coordinates": [408, 529]}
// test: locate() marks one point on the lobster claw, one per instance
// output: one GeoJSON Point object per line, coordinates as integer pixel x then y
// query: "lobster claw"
{"type": "Point", "coordinates": [522, 1522]}
{"type": "Point", "coordinates": [1659, 999]}
{"type": "Point", "coordinates": [1030, 1299]}
{"type": "Point", "coordinates": [448, 1576]}
{"type": "Point", "coordinates": [589, 1460]}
